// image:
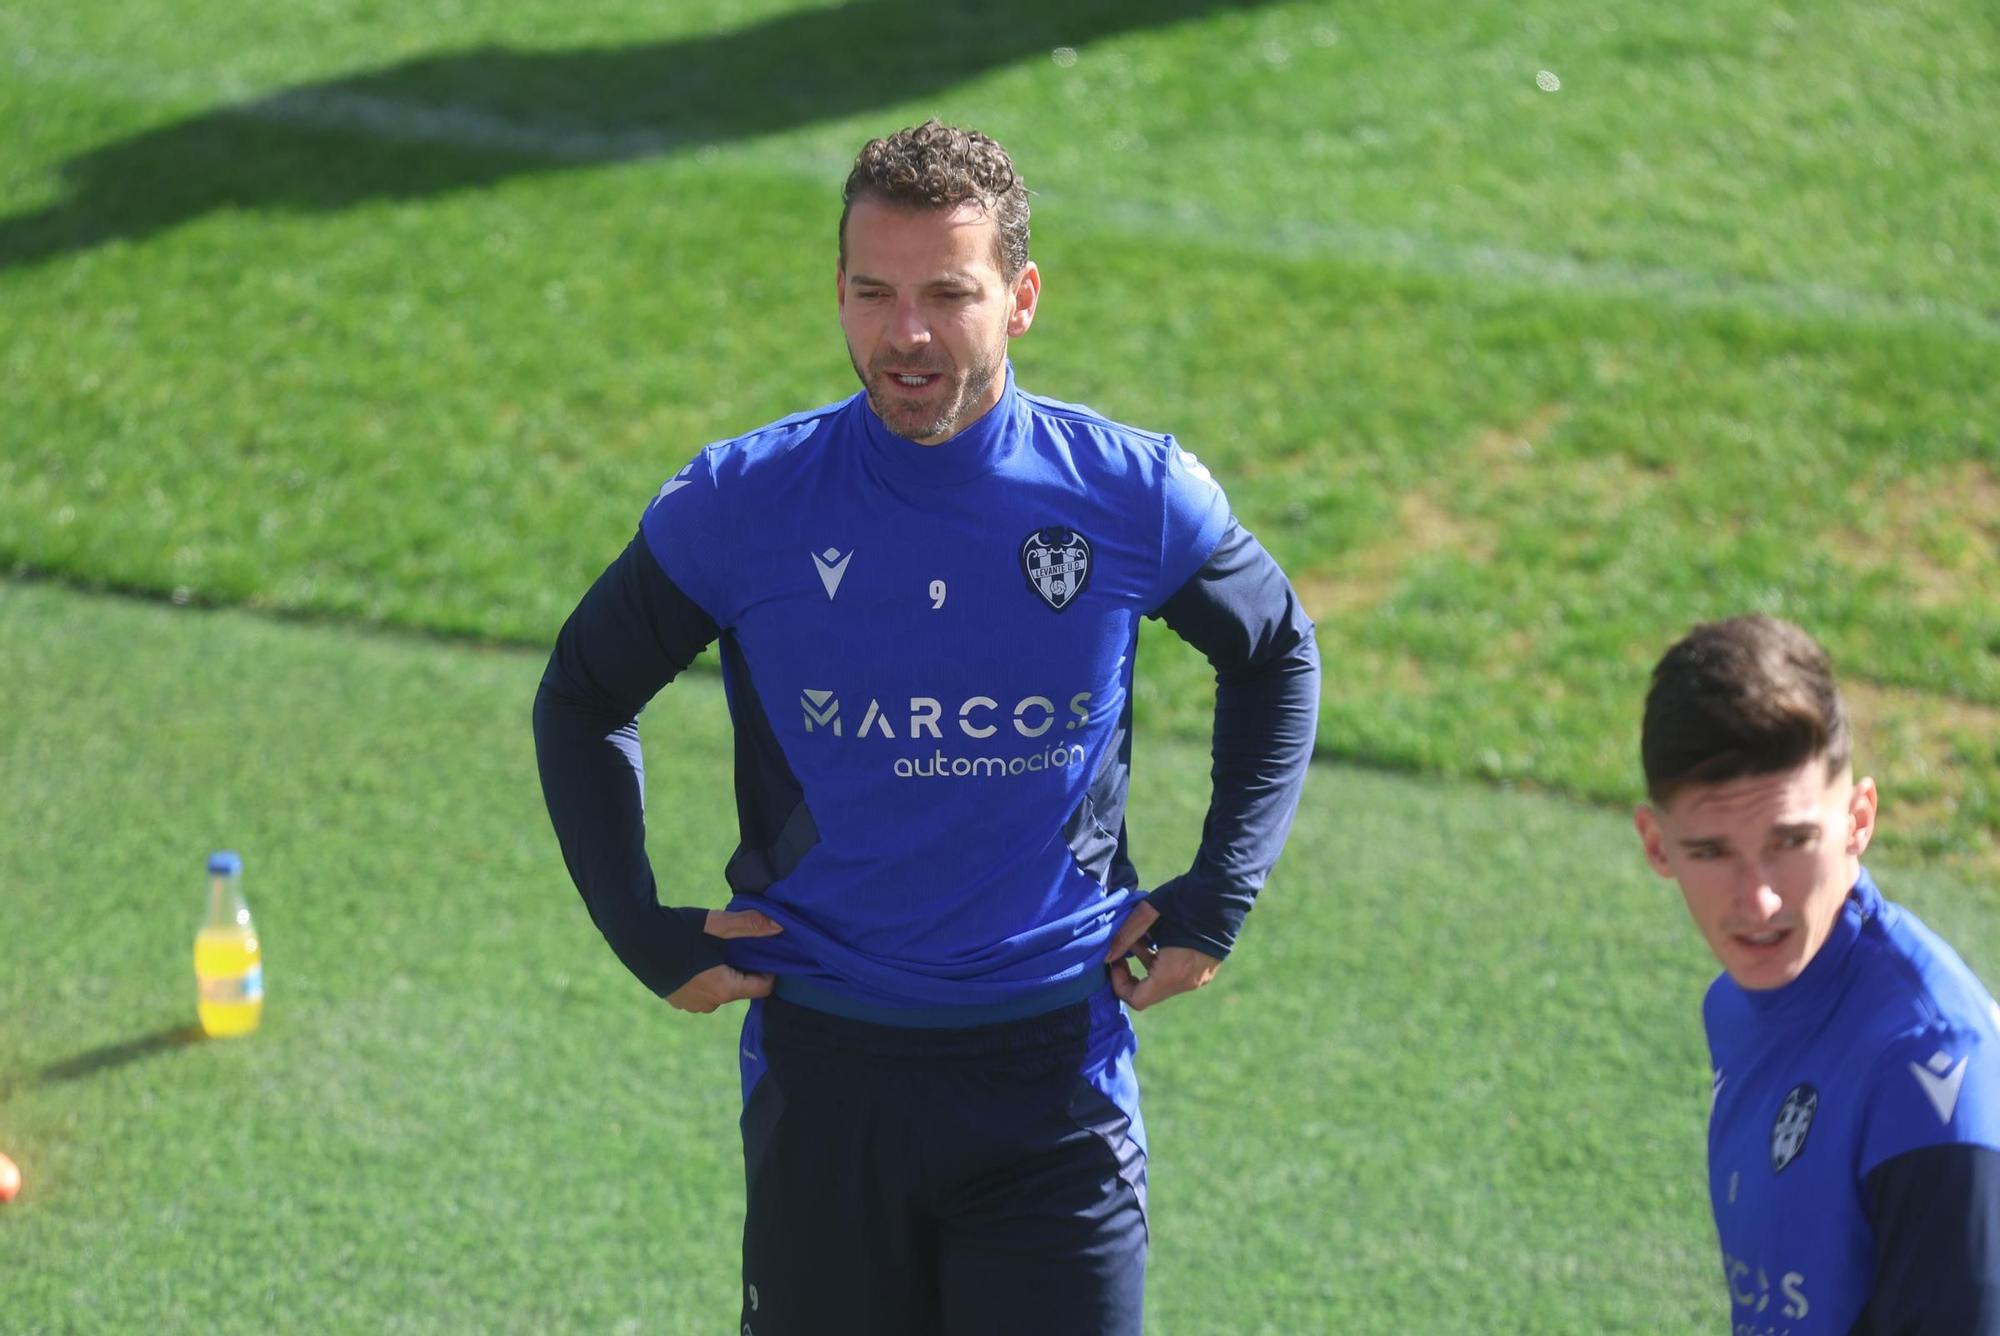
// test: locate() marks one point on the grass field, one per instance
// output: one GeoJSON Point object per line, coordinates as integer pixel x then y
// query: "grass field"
{"type": "Point", "coordinates": [461, 1114]}
{"type": "Point", "coordinates": [363, 333]}
{"type": "Point", "coordinates": [1452, 1082]}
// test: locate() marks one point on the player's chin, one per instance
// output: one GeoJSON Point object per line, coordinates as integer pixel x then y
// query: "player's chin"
{"type": "Point", "coordinates": [1762, 960]}
{"type": "Point", "coordinates": [913, 422]}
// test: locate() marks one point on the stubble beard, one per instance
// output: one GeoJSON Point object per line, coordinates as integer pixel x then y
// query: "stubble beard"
{"type": "Point", "coordinates": [917, 422]}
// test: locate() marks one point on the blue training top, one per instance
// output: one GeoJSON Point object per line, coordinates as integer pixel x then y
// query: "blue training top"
{"type": "Point", "coordinates": [928, 653]}
{"type": "Point", "coordinates": [1854, 1137]}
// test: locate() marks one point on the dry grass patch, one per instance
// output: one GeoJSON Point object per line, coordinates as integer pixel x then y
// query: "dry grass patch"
{"type": "Point", "coordinates": [1427, 523]}
{"type": "Point", "coordinates": [1367, 577]}
{"type": "Point", "coordinates": [1501, 448]}
{"type": "Point", "coordinates": [1909, 740]}
{"type": "Point", "coordinates": [1938, 531]}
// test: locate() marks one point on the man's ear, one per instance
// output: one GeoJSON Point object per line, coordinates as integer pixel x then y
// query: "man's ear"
{"type": "Point", "coordinates": [1646, 820]}
{"type": "Point", "coordinates": [1027, 295]}
{"type": "Point", "coordinates": [1862, 805]}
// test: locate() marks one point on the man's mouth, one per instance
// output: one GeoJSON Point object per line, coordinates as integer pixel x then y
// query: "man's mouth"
{"type": "Point", "coordinates": [1761, 940]}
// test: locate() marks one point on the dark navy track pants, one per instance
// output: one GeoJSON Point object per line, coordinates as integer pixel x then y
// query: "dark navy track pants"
{"type": "Point", "coordinates": [985, 1181]}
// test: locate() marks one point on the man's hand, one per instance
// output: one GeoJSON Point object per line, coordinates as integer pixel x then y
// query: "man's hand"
{"type": "Point", "coordinates": [715, 986]}
{"type": "Point", "coordinates": [1174, 970]}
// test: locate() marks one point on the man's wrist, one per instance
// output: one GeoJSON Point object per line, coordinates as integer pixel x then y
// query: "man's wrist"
{"type": "Point", "coordinates": [1177, 927]}
{"type": "Point", "coordinates": [691, 952]}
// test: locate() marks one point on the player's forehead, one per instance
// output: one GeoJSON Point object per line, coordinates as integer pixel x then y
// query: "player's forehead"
{"type": "Point", "coordinates": [1750, 805]}
{"type": "Point", "coordinates": [891, 243]}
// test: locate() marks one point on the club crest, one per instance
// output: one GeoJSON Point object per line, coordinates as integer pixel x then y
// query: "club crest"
{"type": "Point", "coordinates": [1788, 1133]}
{"type": "Point", "coordinates": [1057, 563]}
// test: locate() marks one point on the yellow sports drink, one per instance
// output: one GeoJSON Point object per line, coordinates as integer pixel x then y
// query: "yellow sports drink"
{"type": "Point", "coordinates": [228, 959]}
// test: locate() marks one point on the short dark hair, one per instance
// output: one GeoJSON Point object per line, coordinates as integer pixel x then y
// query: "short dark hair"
{"type": "Point", "coordinates": [938, 166]}
{"type": "Point", "coordinates": [1745, 696]}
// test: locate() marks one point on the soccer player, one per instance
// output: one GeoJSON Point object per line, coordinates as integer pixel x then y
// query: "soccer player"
{"type": "Point", "coordinates": [1854, 1138]}
{"type": "Point", "coordinates": [928, 599]}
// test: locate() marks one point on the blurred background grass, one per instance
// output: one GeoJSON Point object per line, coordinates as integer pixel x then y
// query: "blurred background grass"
{"type": "Point", "coordinates": [1452, 1081]}
{"type": "Point", "coordinates": [371, 320]}
{"type": "Point", "coordinates": [404, 320]}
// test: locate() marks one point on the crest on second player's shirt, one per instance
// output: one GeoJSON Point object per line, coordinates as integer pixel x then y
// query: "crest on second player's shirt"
{"type": "Point", "coordinates": [1788, 1133]}
{"type": "Point", "coordinates": [1057, 563]}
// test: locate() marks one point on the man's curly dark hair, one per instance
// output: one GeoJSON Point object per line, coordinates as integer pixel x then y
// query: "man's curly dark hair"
{"type": "Point", "coordinates": [938, 166]}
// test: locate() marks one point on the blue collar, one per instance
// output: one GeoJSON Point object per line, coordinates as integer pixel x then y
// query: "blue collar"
{"type": "Point", "coordinates": [1826, 973]}
{"type": "Point", "coordinates": [976, 451]}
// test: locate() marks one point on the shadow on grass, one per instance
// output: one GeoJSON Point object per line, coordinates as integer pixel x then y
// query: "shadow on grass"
{"type": "Point", "coordinates": [466, 119]}
{"type": "Point", "coordinates": [107, 1056]}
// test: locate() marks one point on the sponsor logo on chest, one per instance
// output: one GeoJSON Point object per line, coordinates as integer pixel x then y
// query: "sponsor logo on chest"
{"type": "Point", "coordinates": [976, 718]}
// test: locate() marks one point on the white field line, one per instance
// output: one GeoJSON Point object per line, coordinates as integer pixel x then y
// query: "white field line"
{"type": "Point", "coordinates": [1395, 250]}
{"type": "Point", "coordinates": [455, 127]}
{"type": "Point", "coordinates": [1414, 253]}
{"type": "Point", "coordinates": [330, 108]}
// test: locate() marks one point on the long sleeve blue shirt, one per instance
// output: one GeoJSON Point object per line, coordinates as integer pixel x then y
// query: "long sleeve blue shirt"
{"type": "Point", "coordinates": [1854, 1144]}
{"type": "Point", "coordinates": [928, 654]}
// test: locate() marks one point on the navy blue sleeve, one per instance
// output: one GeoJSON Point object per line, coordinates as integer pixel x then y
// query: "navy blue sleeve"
{"type": "Point", "coordinates": [1242, 613]}
{"type": "Point", "coordinates": [1936, 1217]}
{"type": "Point", "coordinates": [632, 634]}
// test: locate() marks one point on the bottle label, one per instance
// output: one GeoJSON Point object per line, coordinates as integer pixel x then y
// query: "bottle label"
{"type": "Point", "coordinates": [245, 987]}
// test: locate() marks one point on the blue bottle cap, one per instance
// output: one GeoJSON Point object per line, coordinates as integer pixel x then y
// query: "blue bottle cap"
{"type": "Point", "coordinates": [226, 863]}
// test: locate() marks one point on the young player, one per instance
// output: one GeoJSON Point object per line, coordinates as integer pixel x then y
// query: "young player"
{"type": "Point", "coordinates": [1854, 1139]}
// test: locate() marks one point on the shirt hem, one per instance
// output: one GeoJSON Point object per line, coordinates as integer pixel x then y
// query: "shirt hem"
{"type": "Point", "coordinates": [819, 997]}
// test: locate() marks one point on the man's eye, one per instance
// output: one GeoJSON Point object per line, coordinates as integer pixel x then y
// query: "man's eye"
{"type": "Point", "coordinates": [1799, 839]}
{"type": "Point", "coordinates": [1704, 855]}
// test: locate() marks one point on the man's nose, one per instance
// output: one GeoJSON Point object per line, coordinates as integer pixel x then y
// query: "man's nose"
{"type": "Point", "coordinates": [1756, 898]}
{"type": "Point", "coordinates": [907, 328]}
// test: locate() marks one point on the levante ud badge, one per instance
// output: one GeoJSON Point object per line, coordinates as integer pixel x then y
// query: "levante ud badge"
{"type": "Point", "coordinates": [1788, 1133]}
{"type": "Point", "coordinates": [1057, 563]}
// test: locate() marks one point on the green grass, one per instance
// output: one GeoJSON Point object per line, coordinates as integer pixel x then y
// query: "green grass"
{"type": "Point", "coordinates": [383, 323]}
{"type": "Point", "coordinates": [404, 321]}
{"type": "Point", "coordinates": [1453, 1080]}
{"type": "Point", "coordinates": [460, 1114]}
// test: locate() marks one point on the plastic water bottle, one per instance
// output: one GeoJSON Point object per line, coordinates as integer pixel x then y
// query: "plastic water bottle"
{"type": "Point", "coordinates": [228, 959]}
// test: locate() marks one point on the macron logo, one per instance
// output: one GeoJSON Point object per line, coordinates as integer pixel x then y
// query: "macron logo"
{"type": "Point", "coordinates": [1197, 468]}
{"type": "Point", "coordinates": [675, 483]}
{"type": "Point", "coordinates": [822, 709]}
{"type": "Point", "coordinates": [832, 565]}
{"type": "Point", "coordinates": [1941, 1082]}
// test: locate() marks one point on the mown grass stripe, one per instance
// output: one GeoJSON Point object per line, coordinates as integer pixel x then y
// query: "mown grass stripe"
{"type": "Point", "coordinates": [1392, 250]}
